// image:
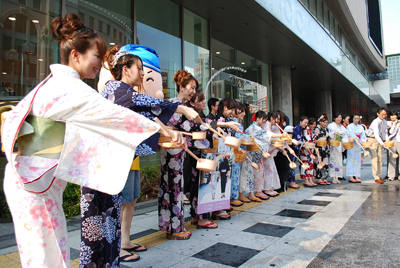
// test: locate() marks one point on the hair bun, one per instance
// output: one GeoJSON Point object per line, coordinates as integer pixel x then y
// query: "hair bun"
{"type": "Point", "coordinates": [180, 75]}
{"type": "Point", "coordinates": [62, 28]}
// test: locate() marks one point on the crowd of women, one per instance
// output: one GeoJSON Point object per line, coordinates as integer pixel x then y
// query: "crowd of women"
{"type": "Point", "coordinates": [91, 140]}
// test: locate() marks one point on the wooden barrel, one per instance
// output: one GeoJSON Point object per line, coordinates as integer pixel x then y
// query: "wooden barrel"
{"type": "Point", "coordinates": [239, 157]}
{"type": "Point", "coordinates": [277, 143]}
{"type": "Point", "coordinates": [248, 141]}
{"type": "Point", "coordinates": [334, 143]}
{"type": "Point", "coordinates": [214, 149]}
{"type": "Point", "coordinates": [322, 143]}
{"type": "Point", "coordinates": [389, 144]}
{"type": "Point", "coordinates": [164, 139]}
{"type": "Point", "coordinates": [253, 148]}
{"type": "Point", "coordinates": [367, 144]}
{"type": "Point", "coordinates": [309, 145]}
{"type": "Point", "coordinates": [348, 145]}
{"type": "Point", "coordinates": [169, 145]}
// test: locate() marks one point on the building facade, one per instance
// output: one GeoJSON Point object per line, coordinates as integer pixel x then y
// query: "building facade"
{"type": "Point", "coordinates": [303, 57]}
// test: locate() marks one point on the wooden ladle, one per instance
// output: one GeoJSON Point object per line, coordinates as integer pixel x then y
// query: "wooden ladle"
{"type": "Point", "coordinates": [292, 165]}
{"type": "Point", "coordinates": [196, 135]}
{"type": "Point", "coordinates": [202, 164]}
{"type": "Point", "coordinates": [366, 153]}
{"type": "Point", "coordinates": [265, 154]}
{"type": "Point", "coordinates": [232, 142]}
{"type": "Point", "coordinates": [305, 166]}
{"type": "Point", "coordinates": [320, 164]}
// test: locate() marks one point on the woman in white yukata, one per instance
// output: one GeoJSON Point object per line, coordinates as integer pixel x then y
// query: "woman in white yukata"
{"type": "Point", "coordinates": [271, 181]}
{"type": "Point", "coordinates": [354, 160]}
{"type": "Point", "coordinates": [89, 141]}
{"type": "Point", "coordinates": [336, 132]}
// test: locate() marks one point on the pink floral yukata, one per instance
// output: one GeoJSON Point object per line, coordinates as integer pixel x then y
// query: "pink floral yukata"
{"type": "Point", "coordinates": [100, 141]}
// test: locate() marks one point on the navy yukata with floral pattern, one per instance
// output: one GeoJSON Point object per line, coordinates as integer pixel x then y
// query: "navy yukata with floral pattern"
{"type": "Point", "coordinates": [297, 135]}
{"type": "Point", "coordinates": [100, 212]}
{"type": "Point", "coordinates": [170, 197]}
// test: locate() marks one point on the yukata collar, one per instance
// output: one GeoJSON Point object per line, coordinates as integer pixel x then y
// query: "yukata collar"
{"type": "Point", "coordinates": [119, 84]}
{"type": "Point", "coordinates": [61, 70]}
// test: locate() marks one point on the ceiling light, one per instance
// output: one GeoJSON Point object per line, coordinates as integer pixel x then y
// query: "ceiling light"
{"type": "Point", "coordinates": [218, 52]}
{"type": "Point", "coordinates": [12, 18]}
{"type": "Point", "coordinates": [243, 63]}
{"type": "Point", "coordinates": [40, 59]}
{"type": "Point", "coordinates": [35, 21]}
{"type": "Point", "coordinates": [212, 68]}
{"type": "Point", "coordinates": [4, 73]}
{"type": "Point", "coordinates": [112, 44]}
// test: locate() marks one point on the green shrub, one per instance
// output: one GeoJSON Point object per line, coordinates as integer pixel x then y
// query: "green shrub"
{"type": "Point", "coordinates": [150, 182]}
{"type": "Point", "coordinates": [71, 200]}
{"type": "Point", "coordinates": [4, 209]}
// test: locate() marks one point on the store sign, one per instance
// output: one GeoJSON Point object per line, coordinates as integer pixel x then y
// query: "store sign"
{"type": "Point", "coordinates": [237, 82]}
{"type": "Point", "coordinates": [253, 108]}
{"type": "Point", "coordinates": [262, 97]}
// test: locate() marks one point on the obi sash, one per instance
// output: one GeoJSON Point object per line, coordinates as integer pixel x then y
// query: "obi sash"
{"type": "Point", "coordinates": [41, 136]}
{"type": "Point", "coordinates": [15, 127]}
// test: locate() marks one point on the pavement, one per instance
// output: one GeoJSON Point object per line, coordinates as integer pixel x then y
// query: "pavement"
{"type": "Point", "coordinates": [346, 225]}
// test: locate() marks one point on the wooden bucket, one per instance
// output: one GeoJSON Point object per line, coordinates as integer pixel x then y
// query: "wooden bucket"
{"type": "Point", "coordinates": [348, 145]}
{"type": "Point", "coordinates": [253, 148]}
{"type": "Point", "coordinates": [286, 139]}
{"type": "Point", "coordinates": [334, 143]}
{"type": "Point", "coordinates": [214, 149]}
{"type": "Point", "coordinates": [277, 143]}
{"type": "Point", "coordinates": [309, 145]}
{"type": "Point", "coordinates": [389, 144]}
{"type": "Point", "coordinates": [249, 141]}
{"type": "Point", "coordinates": [169, 145]}
{"type": "Point", "coordinates": [322, 143]}
{"type": "Point", "coordinates": [367, 144]}
{"type": "Point", "coordinates": [164, 139]}
{"type": "Point", "coordinates": [239, 157]}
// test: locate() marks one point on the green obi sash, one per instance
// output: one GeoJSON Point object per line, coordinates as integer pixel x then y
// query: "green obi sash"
{"type": "Point", "coordinates": [41, 136]}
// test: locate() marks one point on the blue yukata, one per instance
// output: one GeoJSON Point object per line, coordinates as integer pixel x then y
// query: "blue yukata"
{"type": "Point", "coordinates": [236, 167]}
{"type": "Point", "coordinates": [353, 167]}
{"type": "Point", "coordinates": [103, 208]}
{"type": "Point", "coordinates": [297, 135]}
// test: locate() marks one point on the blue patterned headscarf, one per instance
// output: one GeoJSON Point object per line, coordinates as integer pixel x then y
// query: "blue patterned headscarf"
{"type": "Point", "coordinates": [148, 55]}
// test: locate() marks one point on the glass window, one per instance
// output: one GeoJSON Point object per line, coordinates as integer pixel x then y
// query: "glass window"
{"type": "Point", "coordinates": [27, 48]}
{"type": "Point", "coordinates": [91, 22]}
{"type": "Point", "coordinates": [326, 16]}
{"type": "Point", "coordinates": [196, 52]}
{"type": "Point", "coordinates": [320, 11]}
{"type": "Point", "coordinates": [340, 35]}
{"type": "Point", "coordinates": [332, 24]}
{"type": "Point", "coordinates": [160, 29]}
{"type": "Point", "coordinates": [313, 7]}
{"type": "Point", "coordinates": [36, 4]}
{"type": "Point", "coordinates": [117, 15]}
{"type": "Point", "coordinates": [305, 2]}
{"type": "Point", "coordinates": [251, 88]}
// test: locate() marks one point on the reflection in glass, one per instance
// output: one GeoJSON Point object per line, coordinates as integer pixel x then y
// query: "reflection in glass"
{"type": "Point", "coordinates": [197, 54]}
{"type": "Point", "coordinates": [159, 28]}
{"type": "Point", "coordinates": [112, 19]}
